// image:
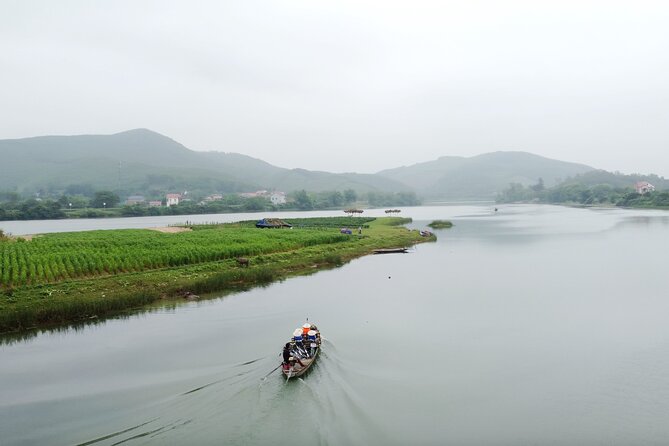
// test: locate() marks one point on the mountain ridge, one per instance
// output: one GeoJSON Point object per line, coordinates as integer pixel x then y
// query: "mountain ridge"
{"type": "Point", "coordinates": [484, 175]}
{"type": "Point", "coordinates": [145, 155]}
{"type": "Point", "coordinates": [138, 160]}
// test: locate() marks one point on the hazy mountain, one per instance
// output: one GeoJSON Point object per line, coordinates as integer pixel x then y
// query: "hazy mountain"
{"type": "Point", "coordinates": [149, 160]}
{"type": "Point", "coordinates": [482, 176]}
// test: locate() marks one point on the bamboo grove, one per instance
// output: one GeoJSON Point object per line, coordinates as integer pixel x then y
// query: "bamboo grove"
{"type": "Point", "coordinates": [58, 257]}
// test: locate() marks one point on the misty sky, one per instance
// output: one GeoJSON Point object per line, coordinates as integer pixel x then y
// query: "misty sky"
{"type": "Point", "coordinates": [348, 85]}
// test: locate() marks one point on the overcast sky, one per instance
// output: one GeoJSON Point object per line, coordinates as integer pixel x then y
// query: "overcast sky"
{"type": "Point", "coordinates": [348, 85]}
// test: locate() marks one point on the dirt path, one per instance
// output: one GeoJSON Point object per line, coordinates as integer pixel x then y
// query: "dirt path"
{"type": "Point", "coordinates": [171, 229]}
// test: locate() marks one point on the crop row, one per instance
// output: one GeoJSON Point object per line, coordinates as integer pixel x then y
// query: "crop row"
{"type": "Point", "coordinates": [56, 257]}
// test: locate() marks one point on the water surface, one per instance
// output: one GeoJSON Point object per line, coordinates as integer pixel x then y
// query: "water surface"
{"type": "Point", "coordinates": [532, 325]}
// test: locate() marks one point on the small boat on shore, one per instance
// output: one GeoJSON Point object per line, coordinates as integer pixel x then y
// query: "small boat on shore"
{"type": "Point", "coordinates": [391, 250]}
{"type": "Point", "coordinates": [302, 351]}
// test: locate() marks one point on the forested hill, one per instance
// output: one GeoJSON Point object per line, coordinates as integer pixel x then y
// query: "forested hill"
{"type": "Point", "coordinates": [482, 176]}
{"type": "Point", "coordinates": [151, 161]}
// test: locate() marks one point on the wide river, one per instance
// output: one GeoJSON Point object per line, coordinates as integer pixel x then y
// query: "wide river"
{"type": "Point", "coordinates": [530, 325]}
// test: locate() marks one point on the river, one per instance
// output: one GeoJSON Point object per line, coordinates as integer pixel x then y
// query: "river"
{"type": "Point", "coordinates": [531, 325]}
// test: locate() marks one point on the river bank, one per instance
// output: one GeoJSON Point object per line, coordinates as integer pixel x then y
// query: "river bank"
{"type": "Point", "coordinates": [107, 279]}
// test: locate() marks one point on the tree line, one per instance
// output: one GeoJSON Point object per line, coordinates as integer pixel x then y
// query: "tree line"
{"type": "Point", "coordinates": [583, 194]}
{"type": "Point", "coordinates": [106, 204]}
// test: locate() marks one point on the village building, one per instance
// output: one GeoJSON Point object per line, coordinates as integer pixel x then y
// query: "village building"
{"type": "Point", "coordinates": [135, 199]}
{"type": "Point", "coordinates": [258, 193]}
{"type": "Point", "coordinates": [643, 187]}
{"type": "Point", "coordinates": [156, 203]}
{"type": "Point", "coordinates": [172, 199]}
{"type": "Point", "coordinates": [278, 198]}
{"type": "Point", "coordinates": [214, 197]}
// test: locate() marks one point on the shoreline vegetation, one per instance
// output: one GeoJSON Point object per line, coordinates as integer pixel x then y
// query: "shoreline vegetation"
{"type": "Point", "coordinates": [441, 224]}
{"type": "Point", "coordinates": [107, 204]}
{"type": "Point", "coordinates": [585, 195]}
{"type": "Point", "coordinates": [63, 278]}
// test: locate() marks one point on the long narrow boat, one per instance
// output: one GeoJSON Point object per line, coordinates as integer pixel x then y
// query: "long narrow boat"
{"type": "Point", "coordinates": [302, 357]}
{"type": "Point", "coordinates": [390, 250]}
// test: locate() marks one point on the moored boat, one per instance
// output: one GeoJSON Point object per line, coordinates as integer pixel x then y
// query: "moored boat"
{"type": "Point", "coordinates": [302, 351]}
{"type": "Point", "coordinates": [390, 250]}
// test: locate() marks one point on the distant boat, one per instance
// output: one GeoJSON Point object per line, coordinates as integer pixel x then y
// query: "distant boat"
{"type": "Point", "coordinates": [391, 250]}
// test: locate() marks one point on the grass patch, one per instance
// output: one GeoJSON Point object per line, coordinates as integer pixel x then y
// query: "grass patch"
{"type": "Point", "coordinates": [441, 224]}
{"type": "Point", "coordinates": [273, 255]}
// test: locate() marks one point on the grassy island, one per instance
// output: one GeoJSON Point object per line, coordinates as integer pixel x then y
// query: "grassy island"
{"type": "Point", "coordinates": [66, 277]}
{"type": "Point", "coordinates": [441, 224]}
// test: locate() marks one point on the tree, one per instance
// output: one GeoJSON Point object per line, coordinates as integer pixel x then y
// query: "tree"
{"type": "Point", "coordinates": [350, 196]}
{"type": "Point", "coordinates": [105, 198]}
{"type": "Point", "coordinates": [9, 196]}
{"type": "Point", "coordinates": [539, 186]}
{"type": "Point", "coordinates": [303, 201]}
{"type": "Point", "coordinates": [255, 204]}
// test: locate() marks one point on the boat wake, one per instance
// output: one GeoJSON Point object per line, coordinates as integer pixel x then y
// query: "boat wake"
{"type": "Point", "coordinates": [233, 406]}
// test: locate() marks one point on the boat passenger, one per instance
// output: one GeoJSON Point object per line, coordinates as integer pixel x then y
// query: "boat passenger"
{"type": "Point", "coordinates": [305, 329]}
{"type": "Point", "coordinates": [287, 352]}
{"type": "Point", "coordinates": [293, 359]}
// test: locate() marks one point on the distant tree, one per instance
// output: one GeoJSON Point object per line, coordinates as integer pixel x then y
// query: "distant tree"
{"type": "Point", "coordinates": [134, 211]}
{"type": "Point", "coordinates": [539, 186]}
{"type": "Point", "coordinates": [80, 189]}
{"type": "Point", "coordinates": [232, 200]}
{"type": "Point", "coordinates": [303, 201]}
{"type": "Point", "coordinates": [328, 199]}
{"type": "Point", "coordinates": [255, 204]}
{"type": "Point", "coordinates": [105, 199]}
{"type": "Point", "coordinates": [350, 196]}
{"type": "Point", "coordinates": [9, 196]}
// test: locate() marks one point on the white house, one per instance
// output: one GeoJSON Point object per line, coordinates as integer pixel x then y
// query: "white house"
{"type": "Point", "coordinates": [172, 199]}
{"type": "Point", "coordinates": [278, 198]}
{"type": "Point", "coordinates": [643, 187]}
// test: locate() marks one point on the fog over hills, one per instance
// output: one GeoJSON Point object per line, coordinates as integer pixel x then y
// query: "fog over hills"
{"type": "Point", "coordinates": [151, 161]}
{"type": "Point", "coordinates": [483, 175]}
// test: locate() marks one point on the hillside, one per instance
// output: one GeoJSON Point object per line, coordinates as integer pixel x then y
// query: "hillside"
{"type": "Point", "coordinates": [482, 176]}
{"type": "Point", "coordinates": [150, 161]}
{"type": "Point", "coordinates": [616, 180]}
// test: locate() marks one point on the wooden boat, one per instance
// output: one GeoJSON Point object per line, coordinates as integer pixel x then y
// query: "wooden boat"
{"type": "Point", "coordinates": [390, 250]}
{"type": "Point", "coordinates": [303, 362]}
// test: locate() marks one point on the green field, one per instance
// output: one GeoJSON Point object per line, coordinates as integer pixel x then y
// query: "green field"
{"type": "Point", "coordinates": [59, 278]}
{"type": "Point", "coordinates": [58, 257]}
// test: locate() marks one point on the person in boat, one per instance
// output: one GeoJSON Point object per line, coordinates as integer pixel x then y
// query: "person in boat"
{"type": "Point", "coordinates": [287, 352]}
{"type": "Point", "coordinates": [311, 339]}
{"type": "Point", "coordinates": [294, 360]}
{"type": "Point", "coordinates": [305, 329]}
